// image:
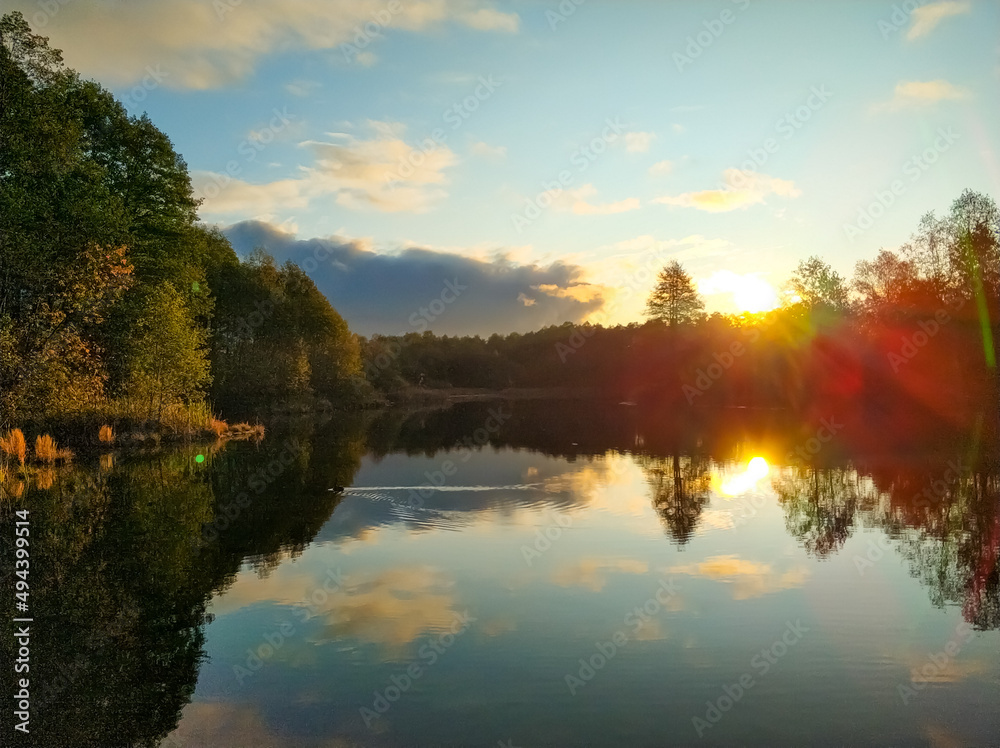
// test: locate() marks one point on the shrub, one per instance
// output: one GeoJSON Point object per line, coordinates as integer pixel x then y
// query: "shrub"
{"type": "Point", "coordinates": [15, 445]}
{"type": "Point", "coordinates": [218, 427]}
{"type": "Point", "coordinates": [45, 448]}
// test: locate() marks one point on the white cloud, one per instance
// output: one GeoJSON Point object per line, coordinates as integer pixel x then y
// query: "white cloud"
{"type": "Point", "coordinates": [576, 201]}
{"type": "Point", "coordinates": [661, 167]}
{"type": "Point", "coordinates": [741, 190]}
{"type": "Point", "coordinates": [923, 93]}
{"type": "Point", "coordinates": [202, 45]}
{"type": "Point", "coordinates": [638, 142]}
{"type": "Point", "coordinates": [382, 173]}
{"type": "Point", "coordinates": [926, 18]}
{"type": "Point", "coordinates": [678, 128]}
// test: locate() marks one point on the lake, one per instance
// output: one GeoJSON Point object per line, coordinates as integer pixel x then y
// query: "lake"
{"type": "Point", "coordinates": [526, 574]}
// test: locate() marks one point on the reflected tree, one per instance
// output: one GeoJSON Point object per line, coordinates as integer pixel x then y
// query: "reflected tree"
{"type": "Point", "coordinates": [679, 488]}
{"type": "Point", "coordinates": [820, 507]}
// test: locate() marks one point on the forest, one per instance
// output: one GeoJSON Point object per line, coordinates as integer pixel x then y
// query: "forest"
{"type": "Point", "coordinates": [117, 305]}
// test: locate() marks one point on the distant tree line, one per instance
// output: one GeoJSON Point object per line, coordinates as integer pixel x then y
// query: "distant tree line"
{"type": "Point", "coordinates": [114, 300]}
{"type": "Point", "coordinates": [921, 321]}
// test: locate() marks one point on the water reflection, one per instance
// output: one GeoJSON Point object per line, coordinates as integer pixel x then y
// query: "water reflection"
{"type": "Point", "coordinates": [557, 512]}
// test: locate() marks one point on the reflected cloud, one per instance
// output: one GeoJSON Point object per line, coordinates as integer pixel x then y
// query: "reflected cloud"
{"type": "Point", "coordinates": [391, 608]}
{"type": "Point", "coordinates": [229, 725]}
{"type": "Point", "coordinates": [749, 579]}
{"type": "Point", "coordinates": [593, 573]}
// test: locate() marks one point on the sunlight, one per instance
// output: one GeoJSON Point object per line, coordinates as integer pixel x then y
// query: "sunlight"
{"type": "Point", "coordinates": [755, 471]}
{"type": "Point", "coordinates": [748, 293]}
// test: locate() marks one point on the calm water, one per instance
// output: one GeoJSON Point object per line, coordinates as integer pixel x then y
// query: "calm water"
{"type": "Point", "coordinates": [591, 576]}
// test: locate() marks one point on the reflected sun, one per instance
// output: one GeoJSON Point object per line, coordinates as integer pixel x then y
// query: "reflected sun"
{"type": "Point", "coordinates": [756, 470]}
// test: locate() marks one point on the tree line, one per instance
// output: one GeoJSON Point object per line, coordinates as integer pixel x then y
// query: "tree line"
{"type": "Point", "coordinates": [115, 302]}
{"type": "Point", "coordinates": [918, 322]}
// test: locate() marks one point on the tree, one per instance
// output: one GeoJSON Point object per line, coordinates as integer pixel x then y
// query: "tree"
{"type": "Point", "coordinates": [887, 285]}
{"type": "Point", "coordinates": [166, 360]}
{"type": "Point", "coordinates": [674, 300]}
{"type": "Point", "coordinates": [818, 285]}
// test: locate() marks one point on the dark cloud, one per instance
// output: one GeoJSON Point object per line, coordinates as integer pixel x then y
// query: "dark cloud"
{"type": "Point", "coordinates": [419, 289]}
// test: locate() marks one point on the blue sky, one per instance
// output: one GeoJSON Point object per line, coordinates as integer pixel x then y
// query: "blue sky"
{"type": "Point", "coordinates": [491, 103]}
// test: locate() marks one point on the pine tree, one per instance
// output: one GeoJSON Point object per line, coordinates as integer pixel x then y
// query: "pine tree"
{"type": "Point", "coordinates": [674, 300]}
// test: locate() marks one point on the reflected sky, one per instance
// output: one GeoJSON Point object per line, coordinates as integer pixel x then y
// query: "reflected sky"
{"type": "Point", "coordinates": [677, 575]}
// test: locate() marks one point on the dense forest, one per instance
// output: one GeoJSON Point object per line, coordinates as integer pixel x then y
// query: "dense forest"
{"type": "Point", "coordinates": [118, 305]}
{"type": "Point", "coordinates": [115, 302]}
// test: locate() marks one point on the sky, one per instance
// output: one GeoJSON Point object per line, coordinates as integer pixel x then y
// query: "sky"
{"type": "Point", "coordinates": [470, 167]}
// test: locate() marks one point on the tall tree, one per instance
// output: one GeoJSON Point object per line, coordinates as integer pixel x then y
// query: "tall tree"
{"type": "Point", "coordinates": [819, 285]}
{"type": "Point", "coordinates": [674, 300]}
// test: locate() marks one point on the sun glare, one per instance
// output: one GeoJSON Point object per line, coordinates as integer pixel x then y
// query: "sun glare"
{"type": "Point", "coordinates": [756, 470]}
{"type": "Point", "coordinates": [748, 293]}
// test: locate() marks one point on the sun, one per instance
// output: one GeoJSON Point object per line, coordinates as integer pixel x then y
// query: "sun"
{"type": "Point", "coordinates": [747, 292]}
{"type": "Point", "coordinates": [754, 294]}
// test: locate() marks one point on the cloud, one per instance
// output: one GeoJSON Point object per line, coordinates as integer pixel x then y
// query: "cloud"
{"type": "Point", "coordinates": [927, 17]}
{"type": "Point", "coordinates": [748, 578]}
{"type": "Point", "coordinates": [593, 573]}
{"type": "Point", "coordinates": [740, 190]}
{"type": "Point", "coordinates": [661, 167]}
{"type": "Point", "coordinates": [382, 173]}
{"type": "Point", "coordinates": [576, 201]}
{"type": "Point", "coordinates": [583, 208]}
{"type": "Point", "coordinates": [392, 608]}
{"type": "Point", "coordinates": [405, 284]}
{"type": "Point", "coordinates": [488, 151]}
{"type": "Point", "coordinates": [204, 45]}
{"type": "Point", "coordinates": [638, 142]}
{"type": "Point", "coordinates": [923, 93]}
